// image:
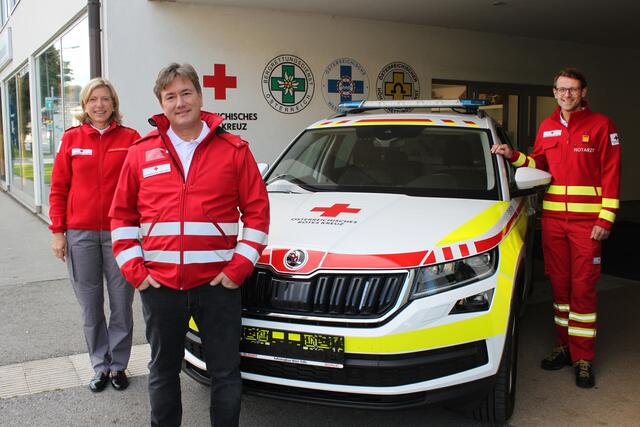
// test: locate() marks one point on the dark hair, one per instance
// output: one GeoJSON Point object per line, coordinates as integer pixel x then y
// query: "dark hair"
{"type": "Point", "coordinates": [170, 72]}
{"type": "Point", "coordinates": [572, 73]}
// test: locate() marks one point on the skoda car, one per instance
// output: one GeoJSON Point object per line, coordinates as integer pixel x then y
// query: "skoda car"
{"type": "Point", "coordinates": [399, 256]}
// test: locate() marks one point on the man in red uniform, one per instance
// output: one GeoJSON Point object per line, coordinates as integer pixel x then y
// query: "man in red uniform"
{"type": "Point", "coordinates": [183, 189]}
{"type": "Point", "coordinates": [581, 150]}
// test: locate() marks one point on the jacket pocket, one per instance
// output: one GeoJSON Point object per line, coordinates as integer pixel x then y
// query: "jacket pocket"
{"type": "Point", "coordinates": [227, 241]}
{"type": "Point", "coordinates": [552, 151]}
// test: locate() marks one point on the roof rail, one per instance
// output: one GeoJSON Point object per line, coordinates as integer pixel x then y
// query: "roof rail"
{"type": "Point", "coordinates": [469, 106]}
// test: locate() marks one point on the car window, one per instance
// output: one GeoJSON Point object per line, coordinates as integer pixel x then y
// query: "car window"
{"type": "Point", "coordinates": [410, 159]}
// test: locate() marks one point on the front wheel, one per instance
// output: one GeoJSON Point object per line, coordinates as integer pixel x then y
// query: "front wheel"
{"type": "Point", "coordinates": [497, 406]}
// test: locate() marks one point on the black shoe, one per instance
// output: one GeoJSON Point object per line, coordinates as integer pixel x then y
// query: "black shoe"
{"type": "Point", "coordinates": [584, 374]}
{"type": "Point", "coordinates": [558, 359]}
{"type": "Point", "coordinates": [99, 382]}
{"type": "Point", "coordinates": [119, 380]}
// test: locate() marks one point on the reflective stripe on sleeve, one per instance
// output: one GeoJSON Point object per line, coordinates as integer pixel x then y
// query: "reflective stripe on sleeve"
{"type": "Point", "coordinates": [520, 160]}
{"type": "Point", "coordinates": [582, 332]}
{"type": "Point", "coordinates": [607, 215]}
{"type": "Point", "coordinates": [125, 233]}
{"type": "Point", "coordinates": [255, 236]}
{"type": "Point", "coordinates": [584, 318]}
{"type": "Point", "coordinates": [248, 252]}
{"type": "Point", "coordinates": [128, 255]}
{"type": "Point", "coordinates": [610, 203]}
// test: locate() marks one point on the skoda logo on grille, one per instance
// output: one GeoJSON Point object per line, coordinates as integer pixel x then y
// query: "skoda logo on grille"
{"type": "Point", "coordinates": [296, 259]}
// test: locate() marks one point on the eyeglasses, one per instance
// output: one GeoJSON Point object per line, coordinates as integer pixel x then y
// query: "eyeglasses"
{"type": "Point", "coordinates": [564, 90]}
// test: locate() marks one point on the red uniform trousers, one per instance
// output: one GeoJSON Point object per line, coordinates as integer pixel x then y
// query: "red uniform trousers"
{"type": "Point", "coordinates": [572, 262]}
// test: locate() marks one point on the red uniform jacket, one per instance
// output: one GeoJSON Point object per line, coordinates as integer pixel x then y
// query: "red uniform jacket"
{"type": "Point", "coordinates": [584, 159]}
{"type": "Point", "coordinates": [85, 174]}
{"type": "Point", "coordinates": [189, 230]}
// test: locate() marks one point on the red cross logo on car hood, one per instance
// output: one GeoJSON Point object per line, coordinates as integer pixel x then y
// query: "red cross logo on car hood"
{"type": "Point", "coordinates": [335, 210]}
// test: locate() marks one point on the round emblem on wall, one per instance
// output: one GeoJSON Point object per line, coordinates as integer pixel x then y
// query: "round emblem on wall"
{"type": "Point", "coordinates": [397, 81]}
{"type": "Point", "coordinates": [296, 258]}
{"type": "Point", "coordinates": [344, 80]}
{"type": "Point", "coordinates": [287, 84]}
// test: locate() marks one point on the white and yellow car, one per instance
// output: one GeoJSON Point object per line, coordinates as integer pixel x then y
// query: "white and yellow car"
{"type": "Point", "coordinates": [399, 256]}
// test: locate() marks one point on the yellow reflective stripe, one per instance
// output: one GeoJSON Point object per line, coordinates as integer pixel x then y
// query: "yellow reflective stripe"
{"type": "Point", "coordinates": [561, 321]}
{"type": "Point", "coordinates": [532, 163]}
{"type": "Point", "coordinates": [581, 190]}
{"type": "Point", "coordinates": [584, 318]}
{"type": "Point", "coordinates": [192, 325]}
{"type": "Point", "coordinates": [553, 206]}
{"type": "Point", "coordinates": [564, 308]}
{"type": "Point", "coordinates": [607, 215]}
{"type": "Point", "coordinates": [584, 207]}
{"type": "Point", "coordinates": [610, 203]}
{"type": "Point", "coordinates": [599, 191]}
{"type": "Point", "coordinates": [582, 332]}
{"type": "Point", "coordinates": [476, 328]}
{"type": "Point", "coordinates": [520, 160]}
{"type": "Point", "coordinates": [557, 189]}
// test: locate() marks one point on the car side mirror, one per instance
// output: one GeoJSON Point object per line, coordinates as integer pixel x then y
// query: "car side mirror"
{"type": "Point", "coordinates": [530, 180]}
{"type": "Point", "coordinates": [263, 168]}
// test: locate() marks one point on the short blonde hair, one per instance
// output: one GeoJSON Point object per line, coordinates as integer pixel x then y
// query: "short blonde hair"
{"type": "Point", "coordinates": [170, 72]}
{"type": "Point", "coordinates": [85, 93]}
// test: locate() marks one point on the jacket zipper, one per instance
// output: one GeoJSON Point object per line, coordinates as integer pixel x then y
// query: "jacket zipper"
{"type": "Point", "coordinates": [100, 186]}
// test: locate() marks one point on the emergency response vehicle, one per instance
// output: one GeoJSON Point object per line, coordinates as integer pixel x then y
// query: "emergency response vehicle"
{"type": "Point", "coordinates": [399, 256]}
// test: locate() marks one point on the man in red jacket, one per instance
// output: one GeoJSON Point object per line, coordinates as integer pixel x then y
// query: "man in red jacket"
{"type": "Point", "coordinates": [182, 190]}
{"type": "Point", "coordinates": [581, 150]}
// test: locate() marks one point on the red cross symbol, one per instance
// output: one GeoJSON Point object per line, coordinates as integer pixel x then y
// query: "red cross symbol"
{"type": "Point", "coordinates": [336, 210]}
{"type": "Point", "coordinates": [220, 82]}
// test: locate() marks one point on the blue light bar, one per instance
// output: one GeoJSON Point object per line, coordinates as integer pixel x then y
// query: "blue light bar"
{"type": "Point", "coordinates": [416, 103]}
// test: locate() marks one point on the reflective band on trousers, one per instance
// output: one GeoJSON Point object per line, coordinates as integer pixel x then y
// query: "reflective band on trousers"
{"type": "Point", "coordinates": [571, 207]}
{"type": "Point", "coordinates": [190, 229]}
{"type": "Point", "coordinates": [128, 255]}
{"type": "Point", "coordinates": [190, 257]}
{"type": "Point", "coordinates": [561, 321]}
{"type": "Point", "coordinates": [575, 190]}
{"type": "Point", "coordinates": [561, 307]}
{"type": "Point", "coordinates": [582, 332]}
{"type": "Point", "coordinates": [584, 318]}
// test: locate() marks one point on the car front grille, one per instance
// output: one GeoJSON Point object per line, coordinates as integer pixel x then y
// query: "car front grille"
{"type": "Point", "coordinates": [363, 296]}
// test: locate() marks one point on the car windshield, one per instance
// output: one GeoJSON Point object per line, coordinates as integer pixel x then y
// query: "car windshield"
{"type": "Point", "coordinates": [409, 159]}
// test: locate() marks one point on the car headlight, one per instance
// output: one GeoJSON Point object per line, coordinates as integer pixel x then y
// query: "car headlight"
{"type": "Point", "coordinates": [437, 278]}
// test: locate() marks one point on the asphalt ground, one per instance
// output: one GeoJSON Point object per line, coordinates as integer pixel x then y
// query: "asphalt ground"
{"type": "Point", "coordinates": [40, 320]}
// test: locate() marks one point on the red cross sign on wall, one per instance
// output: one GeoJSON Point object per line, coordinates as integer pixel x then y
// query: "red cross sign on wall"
{"type": "Point", "coordinates": [335, 210]}
{"type": "Point", "coordinates": [220, 82]}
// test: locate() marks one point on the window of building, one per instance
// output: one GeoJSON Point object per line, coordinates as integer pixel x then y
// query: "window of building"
{"type": "Point", "coordinates": [63, 69]}
{"type": "Point", "coordinates": [20, 132]}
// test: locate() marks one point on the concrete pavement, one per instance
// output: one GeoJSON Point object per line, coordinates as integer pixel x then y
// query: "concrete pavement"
{"type": "Point", "coordinates": [40, 320]}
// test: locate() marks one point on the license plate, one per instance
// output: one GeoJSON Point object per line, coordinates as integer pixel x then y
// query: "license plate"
{"type": "Point", "coordinates": [292, 347]}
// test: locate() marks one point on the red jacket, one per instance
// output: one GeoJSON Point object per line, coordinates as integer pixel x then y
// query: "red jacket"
{"type": "Point", "coordinates": [189, 229]}
{"type": "Point", "coordinates": [85, 174]}
{"type": "Point", "coordinates": [584, 160]}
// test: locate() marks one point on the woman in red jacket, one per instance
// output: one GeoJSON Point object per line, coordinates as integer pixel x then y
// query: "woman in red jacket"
{"type": "Point", "coordinates": [83, 181]}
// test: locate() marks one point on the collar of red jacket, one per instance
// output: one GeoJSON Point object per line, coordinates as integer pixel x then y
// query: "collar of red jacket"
{"type": "Point", "coordinates": [161, 122]}
{"type": "Point", "coordinates": [88, 129]}
{"type": "Point", "coordinates": [582, 112]}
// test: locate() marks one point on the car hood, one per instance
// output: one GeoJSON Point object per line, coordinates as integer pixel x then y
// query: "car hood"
{"type": "Point", "coordinates": [367, 230]}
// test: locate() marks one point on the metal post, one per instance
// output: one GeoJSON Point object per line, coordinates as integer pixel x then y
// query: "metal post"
{"type": "Point", "coordinates": [95, 45]}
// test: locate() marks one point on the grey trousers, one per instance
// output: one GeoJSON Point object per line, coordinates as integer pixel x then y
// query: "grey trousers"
{"type": "Point", "coordinates": [89, 259]}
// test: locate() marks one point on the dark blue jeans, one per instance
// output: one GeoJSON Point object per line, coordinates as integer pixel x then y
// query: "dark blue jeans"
{"type": "Point", "coordinates": [217, 311]}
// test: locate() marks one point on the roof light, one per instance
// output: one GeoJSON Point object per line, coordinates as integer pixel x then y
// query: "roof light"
{"type": "Point", "coordinates": [417, 103]}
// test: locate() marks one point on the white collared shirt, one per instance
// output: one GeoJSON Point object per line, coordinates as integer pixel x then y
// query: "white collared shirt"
{"type": "Point", "coordinates": [185, 149]}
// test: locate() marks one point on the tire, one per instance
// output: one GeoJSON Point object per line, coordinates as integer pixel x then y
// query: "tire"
{"type": "Point", "coordinates": [497, 406]}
